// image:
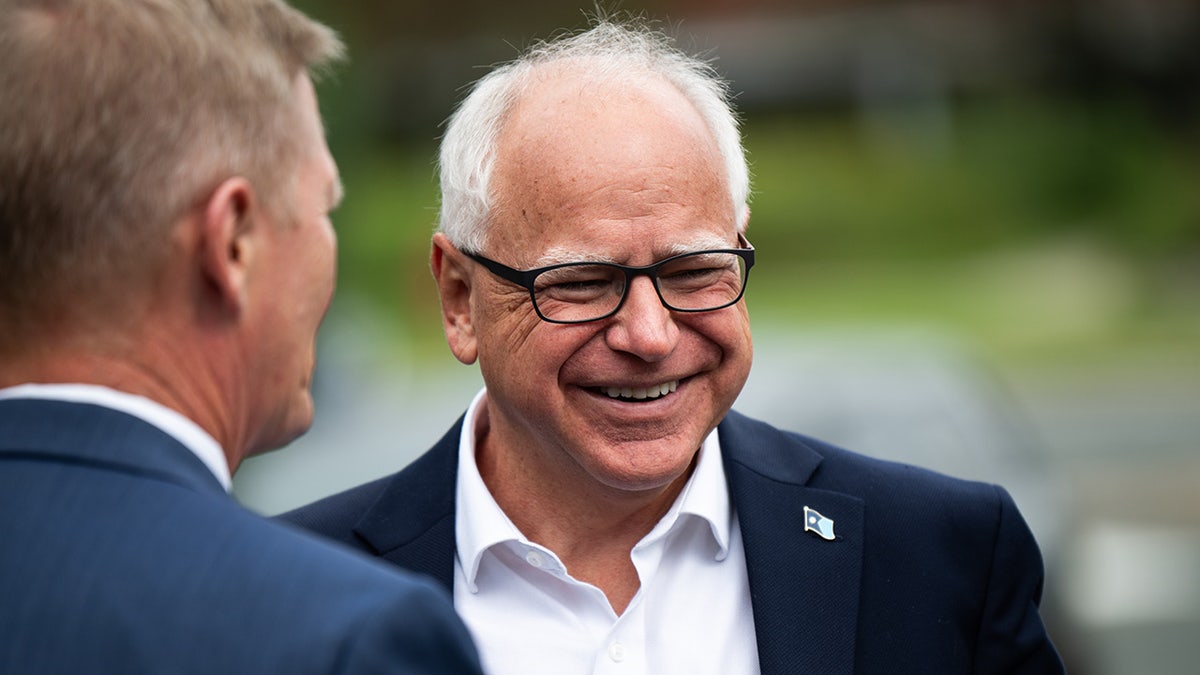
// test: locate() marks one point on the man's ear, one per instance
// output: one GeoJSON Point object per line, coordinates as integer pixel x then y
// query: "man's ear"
{"type": "Point", "coordinates": [454, 289]}
{"type": "Point", "coordinates": [226, 244]}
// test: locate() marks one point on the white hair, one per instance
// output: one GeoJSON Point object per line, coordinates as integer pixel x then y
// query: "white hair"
{"type": "Point", "coordinates": [612, 51]}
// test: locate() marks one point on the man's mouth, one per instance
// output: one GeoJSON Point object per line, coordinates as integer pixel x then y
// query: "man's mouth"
{"type": "Point", "coordinates": [640, 393]}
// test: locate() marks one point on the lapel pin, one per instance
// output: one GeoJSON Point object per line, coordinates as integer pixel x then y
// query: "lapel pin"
{"type": "Point", "coordinates": [815, 522]}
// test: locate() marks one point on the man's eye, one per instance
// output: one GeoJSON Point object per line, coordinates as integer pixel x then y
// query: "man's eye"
{"type": "Point", "coordinates": [576, 284]}
{"type": "Point", "coordinates": [579, 285]}
{"type": "Point", "coordinates": [575, 290]}
{"type": "Point", "coordinates": [697, 276]}
{"type": "Point", "coordinates": [694, 273]}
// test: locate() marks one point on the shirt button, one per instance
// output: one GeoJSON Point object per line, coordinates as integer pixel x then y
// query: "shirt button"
{"type": "Point", "coordinates": [616, 652]}
{"type": "Point", "coordinates": [534, 558]}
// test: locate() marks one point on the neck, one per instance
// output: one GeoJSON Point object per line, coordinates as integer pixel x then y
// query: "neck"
{"type": "Point", "coordinates": [138, 366]}
{"type": "Point", "coordinates": [591, 527]}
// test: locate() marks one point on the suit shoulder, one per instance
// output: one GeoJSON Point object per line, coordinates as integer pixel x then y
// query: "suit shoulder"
{"type": "Point", "coordinates": [424, 490]}
{"type": "Point", "coordinates": [270, 559]}
{"type": "Point", "coordinates": [334, 516]}
{"type": "Point", "coordinates": [907, 485]}
{"type": "Point", "coordinates": [806, 460]}
{"type": "Point", "coordinates": [189, 581]}
{"type": "Point", "coordinates": [382, 619]}
{"type": "Point", "coordinates": [882, 474]}
{"type": "Point", "coordinates": [318, 597]}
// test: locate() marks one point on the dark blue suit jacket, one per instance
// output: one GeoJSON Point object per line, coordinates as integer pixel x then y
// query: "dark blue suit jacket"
{"type": "Point", "coordinates": [122, 554]}
{"type": "Point", "coordinates": [927, 574]}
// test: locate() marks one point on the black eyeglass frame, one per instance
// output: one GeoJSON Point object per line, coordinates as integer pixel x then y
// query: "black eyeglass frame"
{"type": "Point", "coordinates": [525, 278]}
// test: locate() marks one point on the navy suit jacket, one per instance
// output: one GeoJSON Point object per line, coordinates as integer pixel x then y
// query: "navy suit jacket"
{"type": "Point", "coordinates": [927, 574]}
{"type": "Point", "coordinates": [123, 554]}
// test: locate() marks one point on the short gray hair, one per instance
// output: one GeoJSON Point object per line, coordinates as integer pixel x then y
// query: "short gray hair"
{"type": "Point", "coordinates": [119, 115]}
{"type": "Point", "coordinates": [613, 51]}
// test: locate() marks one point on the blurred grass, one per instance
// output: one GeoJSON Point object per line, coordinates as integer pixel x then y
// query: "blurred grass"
{"type": "Point", "coordinates": [1035, 228]}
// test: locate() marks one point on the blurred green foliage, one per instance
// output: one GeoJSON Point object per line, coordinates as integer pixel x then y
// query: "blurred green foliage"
{"type": "Point", "coordinates": [1005, 173]}
{"type": "Point", "coordinates": [1038, 222]}
{"type": "Point", "coordinates": [1031, 219]}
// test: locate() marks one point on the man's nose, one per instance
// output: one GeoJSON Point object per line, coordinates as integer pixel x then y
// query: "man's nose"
{"type": "Point", "coordinates": [643, 326]}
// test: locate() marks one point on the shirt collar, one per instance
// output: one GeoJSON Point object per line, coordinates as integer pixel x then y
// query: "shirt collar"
{"type": "Point", "coordinates": [188, 433]}
{"type": "Point", "coordinates": [480, 523]}
{"type": "Point", "coordinates": [706, 494]}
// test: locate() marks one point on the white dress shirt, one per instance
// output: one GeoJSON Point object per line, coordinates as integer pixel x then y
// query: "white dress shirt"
{"type": "Point", "coordinates": [529, 616]}
{"type": "Point", "coordinates": [182, 429]}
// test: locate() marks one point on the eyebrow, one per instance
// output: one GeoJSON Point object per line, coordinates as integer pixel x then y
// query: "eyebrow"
{"type": "Point", "coordinates": [558, 255]}
{"type": "Point", "coordinates": [704, 242]}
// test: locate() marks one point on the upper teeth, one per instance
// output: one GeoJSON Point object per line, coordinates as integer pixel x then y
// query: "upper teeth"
{"type": "Point", "coordinates": [641, 392]}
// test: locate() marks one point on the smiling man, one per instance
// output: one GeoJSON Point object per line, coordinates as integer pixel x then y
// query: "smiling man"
{"type": "Point", "coordinates": [599, 508]}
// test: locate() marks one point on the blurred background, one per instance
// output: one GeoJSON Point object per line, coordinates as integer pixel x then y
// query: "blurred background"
{"type": "Point", "coordinates": [978, 234]}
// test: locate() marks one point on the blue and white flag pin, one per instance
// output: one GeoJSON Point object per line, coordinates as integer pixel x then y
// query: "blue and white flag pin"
{"type": "Point", "coordinates": [815, 522]}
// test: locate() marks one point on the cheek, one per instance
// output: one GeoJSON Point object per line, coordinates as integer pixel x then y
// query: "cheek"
{"type": "Point", "coordinates": [327, 245]}
{"type": "Point", "coordinates": [504, 321]}
{"type": "Point", "coordinates": [313, 276]}
{"type": "Point", "coordinates": [737, 326]}
{"type": "Point", "coordinates": [323, 263]}
{"type": "Point", "coordinates": [728, 330]}
{"type": "Point", "coordinates": [519, 350]}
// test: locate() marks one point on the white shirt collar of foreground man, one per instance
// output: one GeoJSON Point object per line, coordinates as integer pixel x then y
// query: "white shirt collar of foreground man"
{"type": "Point", "coordinates": [529, 616]}
{"type": "Point", "coordinates": [188, 433]}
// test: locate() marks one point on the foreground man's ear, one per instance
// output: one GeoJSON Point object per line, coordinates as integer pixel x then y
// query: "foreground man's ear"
{"type": "Point", "coordinates": [227, 244]}
{"type": "Point", "coordinates": [449, 267]}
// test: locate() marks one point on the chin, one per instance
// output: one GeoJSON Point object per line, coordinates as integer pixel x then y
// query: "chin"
{"type": "Point", "coordinates": [300, 421]}
{"type": "Point", "coordinates": [294, 422]}
{"type": "Point", "coordinates": [665, 469]}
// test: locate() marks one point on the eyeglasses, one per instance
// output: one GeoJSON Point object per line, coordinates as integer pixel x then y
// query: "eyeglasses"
{"type": "Point", "coordinates": [578, 292]}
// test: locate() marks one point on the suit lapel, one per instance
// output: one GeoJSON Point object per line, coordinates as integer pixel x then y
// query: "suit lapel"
{"type": "Point", "coordinates": [804, 589]}
{"type": "Point", "coordinates": [412, 522]}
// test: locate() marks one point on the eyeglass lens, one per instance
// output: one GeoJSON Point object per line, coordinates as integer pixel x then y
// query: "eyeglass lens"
{"type": "Point", "coordinates": [587, 291]}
